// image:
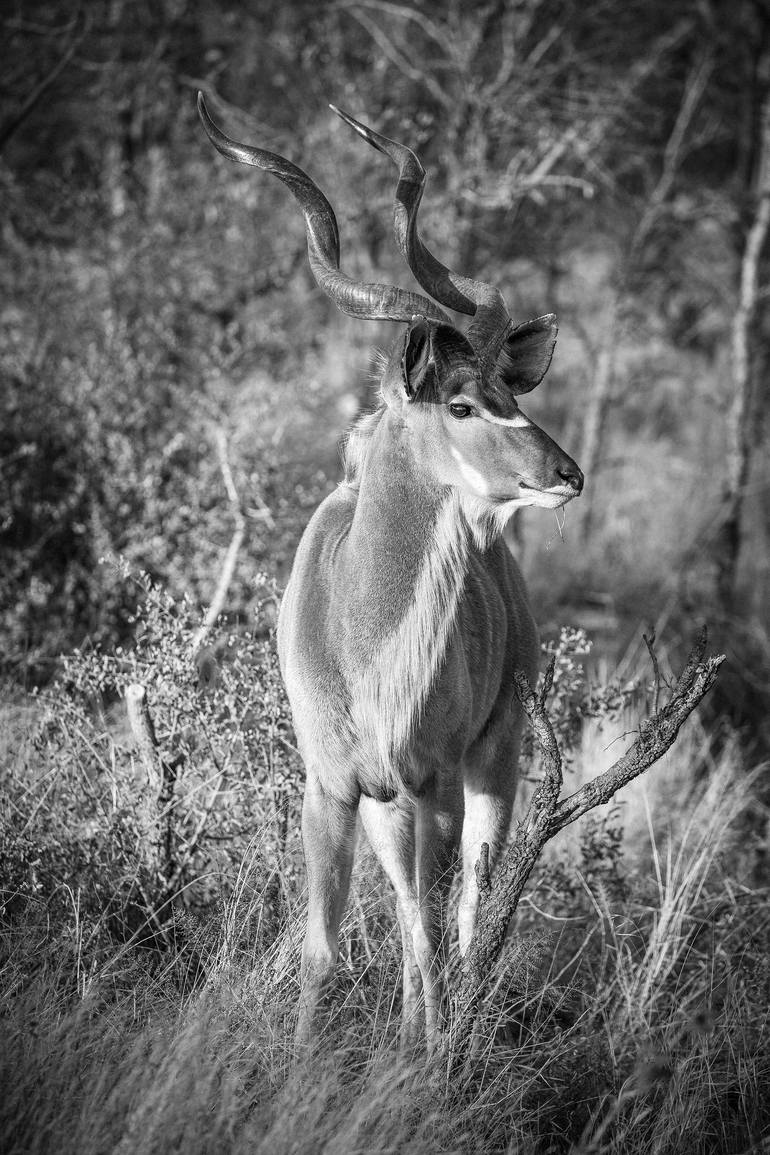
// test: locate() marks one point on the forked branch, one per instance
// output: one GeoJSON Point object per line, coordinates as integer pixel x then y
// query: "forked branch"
{"type": "Point", "coordinates": [546, 816]}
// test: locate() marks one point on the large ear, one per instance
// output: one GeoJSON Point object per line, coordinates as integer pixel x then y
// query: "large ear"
{"type": "Point", "coordinates": [417, 356]}
{"type": "Point", "coordinates": [527, 352]}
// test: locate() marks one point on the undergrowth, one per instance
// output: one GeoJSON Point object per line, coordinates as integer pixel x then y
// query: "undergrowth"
{"type": "Point", "coordinates": [146, 1011]}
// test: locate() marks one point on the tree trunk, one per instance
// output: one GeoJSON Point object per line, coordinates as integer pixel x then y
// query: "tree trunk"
{"type": "Point", "coordinates": [595, 412]}
{"type": "Point", "coordinates": [744, 356]}
{"type": "Point", "coordinates": [600, 396]}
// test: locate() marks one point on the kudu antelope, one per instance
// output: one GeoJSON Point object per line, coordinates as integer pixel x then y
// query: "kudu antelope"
{"type": "Point", "coordinates": [405, 616]}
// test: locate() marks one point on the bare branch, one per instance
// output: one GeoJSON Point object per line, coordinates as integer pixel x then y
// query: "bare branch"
{"type": "Point", "coordinates": [648, 64]}
{"type": "Point", "coordinates": [143, 730]}
{"type": "Point", "coordinates": [542, 46]}
{"type": "Point", "coordinates": [398, 57]}
{"type": "Point", "coordinates": [224, 465]}
{"type": "Point", "coordinates": [429, 27]}
{"type": "Point", "coordinates": [155, 806]}
{"type": "Point", "coordinates": [546, 816]}
{"type": "Point", "coordinates": [599, 400]}
{"type": "Point", "coordinates": [650, 644]}
{"type": "Point", "coordinates": [509, 191]}
{"type": "Point", "coordinates": [507, 51]}
{"type": "Point", "coordinates": [14, 123]}
{"type": "Point", "coordinates": [672, 154]}
{"type": "Point", "coordinates": [20, 24]}
{"type": "Point", "coordinates": [597, 403]}
{"type": "Point", "coordinates": [694, 658]}
{"type": "Point", "coordinates": [746, 345]}
{"type": "Point", "coordinates": [228, 565]}
{"type": "Point", "coordinates": [483, 879]}
{"type": "Point", "coordinates": [656, 736]}
{"type": "Point", "coordinates": [547, 679]}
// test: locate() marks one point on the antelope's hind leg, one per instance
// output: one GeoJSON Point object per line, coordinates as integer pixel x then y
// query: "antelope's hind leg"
{"type": "Point", "coordinates": [328, 837]}
{"type": "Point", "coordinates": [390, 830]}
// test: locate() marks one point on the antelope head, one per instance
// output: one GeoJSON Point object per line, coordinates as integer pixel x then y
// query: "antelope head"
{"type": "Point", "coordinates": [464, 418]}
{"type": "Point", "coordinates": [457, 394]}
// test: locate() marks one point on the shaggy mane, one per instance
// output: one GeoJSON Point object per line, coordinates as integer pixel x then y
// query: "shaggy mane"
{"type": "Point", "coordinates": [357, 443]}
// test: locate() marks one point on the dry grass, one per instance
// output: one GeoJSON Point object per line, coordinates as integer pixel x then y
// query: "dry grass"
{"type": "Point", "coordinates": [629, 1014]}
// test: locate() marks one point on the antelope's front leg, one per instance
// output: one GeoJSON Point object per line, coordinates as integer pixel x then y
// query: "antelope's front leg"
{"type": "Point", "coordinates": [487, 819]}
{"type": "Point", "coordinates": [439, 823]}
{"type": "Point", "coordinates": [328, 837]}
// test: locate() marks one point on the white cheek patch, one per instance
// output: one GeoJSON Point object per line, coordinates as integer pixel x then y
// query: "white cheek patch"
{"type": "Point", "coordinates": [475, 480]}
{"type": "Point", "coordinates": [517, 422]}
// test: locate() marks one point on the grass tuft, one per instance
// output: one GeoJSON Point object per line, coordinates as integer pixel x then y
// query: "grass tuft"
{"type": "Point", "coordinates": [628, 1014]}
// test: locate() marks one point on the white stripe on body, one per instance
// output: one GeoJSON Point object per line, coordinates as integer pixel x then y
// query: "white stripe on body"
{"type": "Point", "coordinates": [390, 694]}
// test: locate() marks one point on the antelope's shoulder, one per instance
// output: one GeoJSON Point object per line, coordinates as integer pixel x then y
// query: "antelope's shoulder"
{"type": "Point", "coordinates": [310, 589]}
{"type": "Point", "coordinates": [326, 530]}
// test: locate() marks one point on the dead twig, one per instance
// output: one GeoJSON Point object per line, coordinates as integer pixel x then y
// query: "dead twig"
{"type": "Point", "coordinates": [650, 644]}
{"type": "Point", "coordinates": [143, 730]}
{"type": "Point", "coordinates": [231, 557]}
{"type": "Point", "coordinates": [483, 879]}
{"type": "Point", "coordinates": [158, 802]}
{"type": "Point", "coordinates": [14, 122]}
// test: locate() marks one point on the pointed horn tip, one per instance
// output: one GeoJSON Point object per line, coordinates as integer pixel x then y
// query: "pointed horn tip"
{"type": "Point", "coordinates": [204, 114]}
{"type": "Point", "coordinates": [368, 134]}
{"type": "Point", "coordinates": [351, 120]}
{"type": "Point", "coordinates": [346, 117]}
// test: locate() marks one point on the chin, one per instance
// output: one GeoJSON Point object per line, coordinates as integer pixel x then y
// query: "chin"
{"type": "Point", "coordinates": [548, 498]}
{"type": "Point", "coordinates": [552, 498]}
{"type": "Point", "coordinates": [487, 517]}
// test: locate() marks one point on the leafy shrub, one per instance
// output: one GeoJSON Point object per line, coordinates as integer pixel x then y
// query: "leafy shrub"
{"type": "Point", "coordinates": [641, 1012]}
{"type": "Point", "coordinates": [574, 697]}
{"type": "Point", "coordinates": [139, 843]}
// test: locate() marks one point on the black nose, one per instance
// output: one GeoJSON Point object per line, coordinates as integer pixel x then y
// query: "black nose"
{"type": "Point", "coordinates": [571, 475]}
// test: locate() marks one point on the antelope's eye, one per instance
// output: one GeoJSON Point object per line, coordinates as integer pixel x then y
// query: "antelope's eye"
{"type": "Point", "coordinates": [458, 410]}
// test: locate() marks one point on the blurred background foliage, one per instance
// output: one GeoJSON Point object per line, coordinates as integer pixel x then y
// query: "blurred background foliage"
{"type": "Point", "coordinates": [603, 161]}
{"type": "Point", "coordinates": [172, 381]}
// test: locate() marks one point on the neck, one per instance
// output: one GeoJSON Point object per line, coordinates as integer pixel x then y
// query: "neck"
{"type": "Point", "coordinates": [405, 567]}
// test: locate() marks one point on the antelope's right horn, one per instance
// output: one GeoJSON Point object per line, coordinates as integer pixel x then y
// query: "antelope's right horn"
{"type": "Point", "coordinates": [463, 294]}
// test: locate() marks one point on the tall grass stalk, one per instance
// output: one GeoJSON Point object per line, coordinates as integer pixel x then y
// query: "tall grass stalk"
{"type": "Point", "coordinates": [629, 1012]}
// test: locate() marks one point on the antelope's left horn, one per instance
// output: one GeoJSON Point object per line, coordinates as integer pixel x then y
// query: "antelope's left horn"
{"type": "Point", "coordinates": [370, 301]}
